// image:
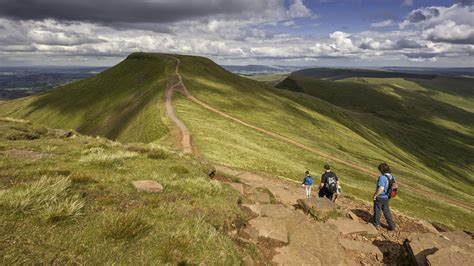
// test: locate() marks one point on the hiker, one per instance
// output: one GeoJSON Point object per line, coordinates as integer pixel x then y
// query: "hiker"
{"type": "Point", "coordinates": [329, 184]}
{"type": "Point", "coordinates": [382, 195]}
{"type": "Point", "coordinates": [307, 183]}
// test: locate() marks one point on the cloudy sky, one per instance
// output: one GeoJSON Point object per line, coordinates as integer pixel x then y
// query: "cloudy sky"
{"type": "Point", "coordinates": [275, 32]}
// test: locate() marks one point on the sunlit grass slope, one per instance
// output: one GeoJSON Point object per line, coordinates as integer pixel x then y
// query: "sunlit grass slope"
{"type": "Point", "coordinates": [70, 201]}
{"type": "Point", "coordinates": [359, 134]}
{"type": "Point", "coordinates": [123, 102]}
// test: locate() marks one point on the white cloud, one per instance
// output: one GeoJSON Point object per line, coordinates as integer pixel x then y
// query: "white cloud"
{"type": "Point", "coordinates": [381, 24]}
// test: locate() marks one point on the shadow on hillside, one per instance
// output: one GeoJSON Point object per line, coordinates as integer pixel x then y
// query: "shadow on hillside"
{"type": "Point", "coordinates": [406, 125]}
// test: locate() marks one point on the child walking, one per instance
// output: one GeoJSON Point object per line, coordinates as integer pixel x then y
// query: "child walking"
{"type": "Point", "coordinates": [307, 183]}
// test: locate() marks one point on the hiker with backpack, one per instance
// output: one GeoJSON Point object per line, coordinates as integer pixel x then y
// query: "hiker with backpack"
{"type": "Point", "coordinates": [329, 184]}
{"type": "Point", "coordinates": [307, 183]}
{"type": "Point", "coordinates": [386, 189]}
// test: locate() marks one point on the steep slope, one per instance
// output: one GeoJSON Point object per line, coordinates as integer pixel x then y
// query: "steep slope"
{"type": "Point", "coordinates": [120, 103]}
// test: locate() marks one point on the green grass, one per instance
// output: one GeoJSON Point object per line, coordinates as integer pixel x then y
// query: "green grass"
{"type": "Point", "coordinates": [77, 206]}
{"type": "Point", "coordinates": [270, 79]}
{"type": "Point", "coordinates": [123, 102]}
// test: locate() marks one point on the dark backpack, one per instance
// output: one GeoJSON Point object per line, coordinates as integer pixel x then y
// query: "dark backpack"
{"type": "Point", "coordinates": [331, 183]}
{"type": "Point", "coordinates": [392, 187]}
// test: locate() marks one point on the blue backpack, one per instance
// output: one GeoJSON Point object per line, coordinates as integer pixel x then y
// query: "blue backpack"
{"type": "Point", "coordinates": [308, 180]}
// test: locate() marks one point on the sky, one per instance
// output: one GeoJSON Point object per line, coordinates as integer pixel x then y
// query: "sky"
{"type": "Point", "coordinates": [348, 33]}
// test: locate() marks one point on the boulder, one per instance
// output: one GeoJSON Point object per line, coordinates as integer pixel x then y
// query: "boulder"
{"type": "Point", "coordinates": [435, 249]}
{"type": "Point", "coordinates": [147, 186]}
{"type": "Point", "coordinates": [348, 226]}
{"type": "Point", "coordinates": [320, 208]}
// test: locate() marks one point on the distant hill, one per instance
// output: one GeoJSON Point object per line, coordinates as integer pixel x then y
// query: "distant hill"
{"type": "Point", "coordinates": [343, 73]}
{"type": "Point", "coordinates": [251, 70]}
{"type": "Point", "coordinates": [442, 71]}
{"type": "Point", "coordinates": [119, 103]}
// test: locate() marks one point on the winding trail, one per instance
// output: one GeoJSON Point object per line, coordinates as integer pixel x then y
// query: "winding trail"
{"type": "Point", "coordinates": [184, 131]}
{"type": "Point", "coordinates": [188, 148]}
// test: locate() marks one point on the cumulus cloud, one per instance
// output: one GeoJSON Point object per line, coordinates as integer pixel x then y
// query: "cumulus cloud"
{"type": "Point", "coordinates": [453, 24]}
{"type": "Point", "coordinates": [224, 31]}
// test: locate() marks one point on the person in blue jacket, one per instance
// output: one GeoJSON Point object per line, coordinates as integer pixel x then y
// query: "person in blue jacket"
{"type": "Point", "coordinates": [382, 198]}
{"type": "Point", "coordinates": [307, 183]}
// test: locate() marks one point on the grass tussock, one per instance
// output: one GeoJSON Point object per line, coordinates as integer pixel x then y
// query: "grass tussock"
{"type": "Point", "coordinates": [101, 156]}
{"type": "Point", "coordinates": [157, 155]}
{"type": "Point", "coordinates": [51, 198]}
{"type": "Point", "coordinates": [79, 178]}
{"type": "Point", "coordinates": [125, 225]}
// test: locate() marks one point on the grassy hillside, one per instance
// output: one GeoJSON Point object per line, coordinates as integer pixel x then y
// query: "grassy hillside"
{"type": "Point", "coordinates": [406, 128]}
{"type": "Point", "coordinates": [345, 133]}
{"type": "Point", "coordinates": [120, 103]}
{"type": "Point", "coordinates": [70, 201]}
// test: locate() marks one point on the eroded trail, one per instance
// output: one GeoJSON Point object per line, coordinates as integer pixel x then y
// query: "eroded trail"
{"type": "Point", "coordinates": [187, 145]}
{"type": "Point", "coordinates": [184, 131]}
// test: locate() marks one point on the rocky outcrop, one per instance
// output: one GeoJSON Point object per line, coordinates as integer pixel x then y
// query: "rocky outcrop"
{"type": "Point", "coordinates": [320, 208]}
{"type": "Point", "coordinates": [450, 248]}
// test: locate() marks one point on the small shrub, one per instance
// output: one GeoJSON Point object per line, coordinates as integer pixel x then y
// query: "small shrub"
{"type": "Point", "coordinates": [124, 225]}
{"type": "Point", "coordinates": [157, 155]}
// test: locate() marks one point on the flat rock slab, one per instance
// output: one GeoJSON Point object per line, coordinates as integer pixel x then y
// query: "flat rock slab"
{"type": "Point", "coordinates": [456, 248]}
{"type": "Point", "coordinates": [311, 243]}
{"type": "Point", "coordinates": [348, 226]}
{"type": "Point", "coordinates": [270, 228]}
{"type": "Point", "coordinates": [237, 186]}
{"type": "Point", "coordinates": [275, 211]}
{"type": "Point", "coordinates": [147, 186]}
{"type": "Point", "coordinates": [451, 256]}
{"type": "Point", "coordinates": [361, 247]}
{"type": "Point", "coordinates": [260, 197]}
